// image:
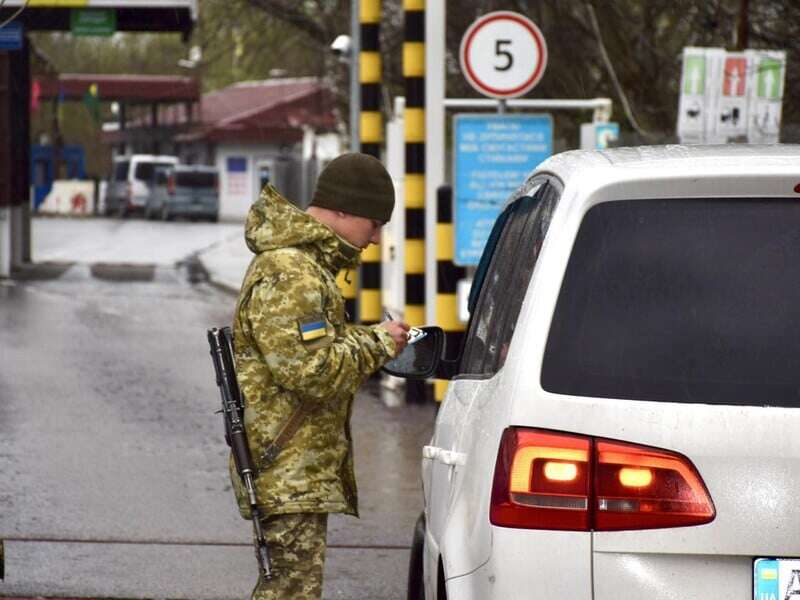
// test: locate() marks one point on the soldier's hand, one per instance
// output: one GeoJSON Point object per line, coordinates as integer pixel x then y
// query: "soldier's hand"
{"type": "Point", "coordinates": [399, 332]}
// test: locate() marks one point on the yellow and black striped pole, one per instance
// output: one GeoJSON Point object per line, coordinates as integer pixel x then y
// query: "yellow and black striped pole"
{"type": "Point", "coordinates": [414, 183]}
{"type": "Point", "coordinates": [447, 277]}
{"type": "Point", "coordinates": [371, 130]}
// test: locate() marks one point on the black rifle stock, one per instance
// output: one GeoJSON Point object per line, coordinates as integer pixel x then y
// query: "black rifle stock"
{"type": "Point", "coordinates": [221, 342]}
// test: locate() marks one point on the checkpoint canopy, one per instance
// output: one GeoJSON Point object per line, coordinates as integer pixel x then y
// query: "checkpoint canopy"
{"type": "Point", "coordinates": [103, 17]}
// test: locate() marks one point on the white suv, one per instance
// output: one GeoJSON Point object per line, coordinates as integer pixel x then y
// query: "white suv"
{"type": "Point", "coordinates": [131, 182]}
{"type": "Point", "coordinates": [624, 418]}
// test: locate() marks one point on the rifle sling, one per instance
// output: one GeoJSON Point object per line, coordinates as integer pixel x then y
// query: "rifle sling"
{"type": "Point", "coordinates": [285, 434]}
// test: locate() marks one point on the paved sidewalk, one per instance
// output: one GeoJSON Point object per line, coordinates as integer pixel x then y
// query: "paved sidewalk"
{"type": "Point", "coordinates": [129, 241]}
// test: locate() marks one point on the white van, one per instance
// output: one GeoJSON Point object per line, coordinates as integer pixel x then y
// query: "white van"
{"type": "Point", "coordinates": [623, 420]}
{"type": "Point", "coordinates": [131, 180]}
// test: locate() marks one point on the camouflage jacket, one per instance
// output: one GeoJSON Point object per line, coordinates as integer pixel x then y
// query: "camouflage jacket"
{"type": "Point", "coordinates": [292, 344]}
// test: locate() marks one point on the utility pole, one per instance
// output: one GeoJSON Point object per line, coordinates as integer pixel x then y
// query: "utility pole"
{"type": "Point", "coordinates": [743, 25]}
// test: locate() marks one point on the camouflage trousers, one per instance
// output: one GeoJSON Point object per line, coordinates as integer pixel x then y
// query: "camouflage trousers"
{"type": "Point", "coordinates": [297, 552]}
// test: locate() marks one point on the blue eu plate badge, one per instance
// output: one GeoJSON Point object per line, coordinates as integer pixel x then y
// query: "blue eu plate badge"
{"type": "Point", "coordinates": [776, 579]}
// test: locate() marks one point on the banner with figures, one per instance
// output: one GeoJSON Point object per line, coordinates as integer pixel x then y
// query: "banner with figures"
{"type": "Point", "coordinates": [766, 101]}
{"type": "Point", "coordinates": [731, 96]}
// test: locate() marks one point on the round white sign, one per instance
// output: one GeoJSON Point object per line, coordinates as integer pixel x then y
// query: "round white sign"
{"type": "Point", "coordinates": [503, 54]}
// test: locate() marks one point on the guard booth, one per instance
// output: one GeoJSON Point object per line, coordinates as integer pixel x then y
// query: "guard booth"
{"type": "Point", "coordinates": [84, 17]}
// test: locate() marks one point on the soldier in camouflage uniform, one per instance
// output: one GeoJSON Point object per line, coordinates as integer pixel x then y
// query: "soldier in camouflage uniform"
{"type": "Point", "coordinates": [293, 346]}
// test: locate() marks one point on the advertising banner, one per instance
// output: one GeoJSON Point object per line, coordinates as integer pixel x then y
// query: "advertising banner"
{"type": "Point", "coordinates": [769, 71]}
{"type": "Point", "coordinates": [731, 96]}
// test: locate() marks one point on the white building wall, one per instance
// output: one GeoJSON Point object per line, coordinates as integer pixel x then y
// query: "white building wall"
{"type": "Point", "coordinates": [239, 189]}
{"type": "Point", "coordinates": [290, 172]}
{"type": "Point", "coordinates": [329, 146]}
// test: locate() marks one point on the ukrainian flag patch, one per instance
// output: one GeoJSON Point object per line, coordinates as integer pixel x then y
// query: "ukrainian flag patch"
{"type": "Point", "coordinates": [312, 329]}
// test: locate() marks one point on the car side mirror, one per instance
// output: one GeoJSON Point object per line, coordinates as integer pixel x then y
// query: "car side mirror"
{"type": "Point", "coordinates": [420, 359]}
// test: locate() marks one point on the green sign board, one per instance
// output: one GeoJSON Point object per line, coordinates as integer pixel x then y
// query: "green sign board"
{"type": "Point", "coordinates": [93, 21]}
{"type": "Point", "coordinates": [770, 76]}
{"type": "Point", "coordinates": [694, 75]}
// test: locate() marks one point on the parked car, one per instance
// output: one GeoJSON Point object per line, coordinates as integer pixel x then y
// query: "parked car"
{"type": "Point", "coordinates": [623, 419]}
{"type": "Point", "coordinates": [186, 191]}
{"type": "Point", "coordinates": [129, 185]}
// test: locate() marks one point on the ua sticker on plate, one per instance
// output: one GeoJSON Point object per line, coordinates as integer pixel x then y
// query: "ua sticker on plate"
{"type": "Point", "coordinates": [776, 579]}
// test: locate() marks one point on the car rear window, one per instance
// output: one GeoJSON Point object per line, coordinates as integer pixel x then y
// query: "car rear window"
{"type": "Point", "coordinates": [196, 180]}
{"type": "Point", "coordinates": [144, 170]}
{"type": "Point", "coordinates": [121, 170]}
{"type": "Point", "coordinates": [692, 301]}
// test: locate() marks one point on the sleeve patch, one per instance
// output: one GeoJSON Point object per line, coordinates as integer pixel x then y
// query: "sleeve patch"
{"type": "Point", "coordinates": [312, 329]}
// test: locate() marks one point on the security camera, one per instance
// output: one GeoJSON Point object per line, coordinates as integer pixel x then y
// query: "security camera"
{"type": "Point", "coordinates": [341, 47]}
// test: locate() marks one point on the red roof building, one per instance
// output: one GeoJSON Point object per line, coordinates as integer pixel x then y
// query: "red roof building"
{"type": "Point", "coordinates": [270, 111]}
{"type": "Point", "coordinates": [277, 130]}
{"type": "Point", "coordinates": [264, 111]}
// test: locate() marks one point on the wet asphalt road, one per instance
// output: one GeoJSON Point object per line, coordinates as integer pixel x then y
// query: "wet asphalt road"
{"type": "Point", "coordinates": [113, 479]}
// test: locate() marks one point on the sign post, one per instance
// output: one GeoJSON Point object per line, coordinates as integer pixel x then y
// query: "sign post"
{"type": "Point", "coordinates": [768, 72]}
{"type": "Point", "coordinates": [730, 116]}
{"type": "Point", "coordinates": [93, 21]}
{"type": "Point", "coordinates": [598, 136]}
{"type": "Point", "coordinates": [731, 96]}
{"type": "Point", "coordinates": [493, 155]}
{"type": "Point", "coordinates": [503, 55]}
{"type": "Point", "coordinates": [11, 35]}
{"type": "Point", "coordinates": [693, 107]}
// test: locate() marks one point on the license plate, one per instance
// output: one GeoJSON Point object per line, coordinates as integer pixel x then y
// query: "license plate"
{"type": "Point", "coordinates": [776, 579]}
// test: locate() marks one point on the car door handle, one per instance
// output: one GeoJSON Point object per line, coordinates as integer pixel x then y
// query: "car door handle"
{"type": "Point", "coordinates": [448, 457]}
{"type": "Point", "coordinates": [451, 457]}
{"type": "Point", "coordinates": [430, 452]}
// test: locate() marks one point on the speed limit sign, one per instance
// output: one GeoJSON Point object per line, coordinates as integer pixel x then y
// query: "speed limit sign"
{"type": "Point", "coordinates": [503, 54]}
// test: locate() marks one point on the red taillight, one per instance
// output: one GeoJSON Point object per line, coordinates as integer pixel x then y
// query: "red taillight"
{"type": "Point", "coordinates": [639, 487]}
{"type": "Point", "coordinates": [171, 185]}
{"type": "Point", "coordinates": [547, 480]}
{"type": "Point", "coordinates": [541, 481]}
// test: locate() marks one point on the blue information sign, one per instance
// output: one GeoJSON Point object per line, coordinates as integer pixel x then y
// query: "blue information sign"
{"type": "Point", "coordinates": [605, 133]}
{"type": "Point", "coordinates": [11, 36]}
{"type": "Point", "coordinates": [493, 156]}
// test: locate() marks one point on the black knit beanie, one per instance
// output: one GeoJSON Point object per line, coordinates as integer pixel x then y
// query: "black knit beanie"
{"type": "Point", "coordinates": [356, 184]}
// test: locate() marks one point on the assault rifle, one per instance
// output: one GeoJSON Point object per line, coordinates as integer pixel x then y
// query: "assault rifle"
{"type": "Point", "coordinates": [221, 342]}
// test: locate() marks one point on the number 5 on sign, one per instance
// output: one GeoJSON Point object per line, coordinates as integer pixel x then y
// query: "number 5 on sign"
{"type": "Point", "coordinates": [503, 54]}
{"type": "Point", "coordinates": [500, 50]}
